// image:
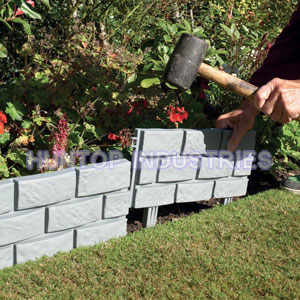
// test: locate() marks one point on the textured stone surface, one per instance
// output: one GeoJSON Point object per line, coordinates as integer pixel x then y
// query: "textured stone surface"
{"type": "Point", "coordinates": [200, 141]}
{"type": "Point", "coordinates": [247, 142]}
{"type": "Point", "coordinates": [157, 141]}
{"type": "Point", "coordinates": [6, 256]}
{"type": "Point", "coordinates": [100, 231]}
{"type": "Point", "coordinates": [147, 170]}
{"type": "Point", "coordinates": [230, 187]}
{"type": "Point", "coordinates": [116, 205]}
{"type": "Point", "coordinates": [194, 191]}
{"type": "Point", "coordinates": [6, 196]}
{"type": "Point", "coordinates": [154, 195]}
{"type": "Point", "coordinates": [18, 226]}
{"type": "Point", "coordinates": [48, 244]}
{"type": "Point", "coordinates": [243, 166]}
{"type": "Point", "coordinates": [176, 169]}
{"type": "Point", "coordinates": [74, 213]}
{"type": "Point", "coordinates": [103, 178]}
{"type": "Point", "coordinates": [44, 189]}
{"type": "Point", "coordinates": [214, 167]}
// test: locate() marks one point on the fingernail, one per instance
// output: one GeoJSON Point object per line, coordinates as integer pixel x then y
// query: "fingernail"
{"type": "Point", "coordinates": [230, 147]}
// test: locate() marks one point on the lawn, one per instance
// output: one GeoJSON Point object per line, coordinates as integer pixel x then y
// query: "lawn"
{"type": "Point", "coordinates": [249, 249]}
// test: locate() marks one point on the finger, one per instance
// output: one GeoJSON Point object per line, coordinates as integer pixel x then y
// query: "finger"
{"type": "Point", "coordinates": [285, 118]}
{"type": "Point", "coordinates": [277, 114]}
{"type": "Point", "coordinates": [224, 122]}
{"type": "Point", "coordinates": [237, 135]}
{"type": "Point", "coordinates": [271, 103]}
{"type": "Point", "coordinates": [264, 93]}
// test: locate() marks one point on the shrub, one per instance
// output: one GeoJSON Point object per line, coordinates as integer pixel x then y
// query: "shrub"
{"type": "Point", "coordinates": [97, 67]}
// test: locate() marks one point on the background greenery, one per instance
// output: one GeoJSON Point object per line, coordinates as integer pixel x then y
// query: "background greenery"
{"type": "Point", "coordinates": [96, 66]}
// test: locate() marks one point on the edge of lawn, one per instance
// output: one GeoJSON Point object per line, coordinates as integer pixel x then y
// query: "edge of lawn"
{"type": "Point", "coordinates": [247, 249]}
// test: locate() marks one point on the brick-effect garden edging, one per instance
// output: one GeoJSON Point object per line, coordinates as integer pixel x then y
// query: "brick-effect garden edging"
{"type": "Point", "coordinates": [58, 211]}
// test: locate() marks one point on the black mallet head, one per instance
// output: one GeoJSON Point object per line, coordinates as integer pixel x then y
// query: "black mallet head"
{"type": "Point", "coordinates": [185, 61]}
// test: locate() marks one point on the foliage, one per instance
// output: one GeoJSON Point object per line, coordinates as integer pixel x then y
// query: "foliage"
{"type": "Point", "coordinates": [100, 63]}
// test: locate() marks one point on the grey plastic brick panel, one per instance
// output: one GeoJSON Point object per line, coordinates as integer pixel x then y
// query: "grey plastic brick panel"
{"type": "Point", "coordinates": [103, 178]}
{"type": "Point", "coordinates": [6, 196]}
{"type": "Point", "coordinates": [194, 191]}
{"type": "Point", "coordinates": [116, 205]}
{"type": "Point", "coordinates": [6, 256]}
{"type": "Point", "coordinates": [74, 213]}
{"type": "Point", "coordinates": [247, 142]}
{"type": "Point", "coordinates": [214, 167]}
{"type": "Point", "coordinates": [19, 226]}
{"type": "Point", "coordinates": [48, 244]}
{"type": "Point", "coordinates": [230, 188]}
{"type": "Point", "coordinates": [45, 189]}
{"type": "Point", "coordinates": [200, 141]}
{"type": "Point", "coordinates": [147, 170]}
{"type": "Point", "coordinates": [100, 232]}
{"type": "Point", "coordinates": [176, 169]}
{"type": "Point", "coordinates": [158, 141]}
{"type": "Point", "coordinates": [154, 195]}
{"type": "Point", "coordinates": [243, 166]}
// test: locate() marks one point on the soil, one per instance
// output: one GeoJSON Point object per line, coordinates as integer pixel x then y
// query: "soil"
{"type": "Point", "coordinates": [258, 182]}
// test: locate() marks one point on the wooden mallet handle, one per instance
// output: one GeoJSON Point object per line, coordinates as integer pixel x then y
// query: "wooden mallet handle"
{"type": "Point", "coordinates": [237, 85]}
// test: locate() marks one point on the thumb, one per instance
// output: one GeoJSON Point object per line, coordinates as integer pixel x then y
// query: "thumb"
{"type": "Point", "coordinates": [237, 135]}
{"type": "Point", "coordinates": [263, 94]}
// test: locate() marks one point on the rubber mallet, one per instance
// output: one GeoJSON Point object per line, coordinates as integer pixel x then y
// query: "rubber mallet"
{"type": "Point", "coordinates": [186, 62]}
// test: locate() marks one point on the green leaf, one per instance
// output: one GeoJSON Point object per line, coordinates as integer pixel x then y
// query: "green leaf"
{"type": "Point", "coordinates": [149, 82]}
{"type": "Point", "coordinates": [173, 29]}
{"type": "Point", "coordinates": [4, 172]}
{"type": "Point", "coordinates": [26, 124]}
{"type": "Point", "coordinates": [46, 2]}
{"type": "Point", "coordinates": [147, 67]}
{"type": "Point", "coordinates": [171, 86]}
{"type": "Point", "coordinates": [29, 12]}
{"type": "Point", "coordinates": [198, 31]}
{"type": "Point", "coordinates": [5, 23]}
{"type": "Point", "coordinates": [14, 110]}
{"type": "Point", "coordinates": [132, 78]}
{"type": "Point", "coordinates": [18, 157]}
{"type": "Point", "coordinates": [4, 138]}
{"type": "Point", "coordinates": [187, 26]}
{"type": "Point", "coordinates": [3, 51]}
{"type": "Point", "coordinates": [226, 29]}
{"type": "Point", "coordinates": [24, 23]}
{"type": "Point", "coordinates": [167, 38]}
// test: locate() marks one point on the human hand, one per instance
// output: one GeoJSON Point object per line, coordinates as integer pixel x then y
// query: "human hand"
{"type": "Point", "coordinates": [279, 99]}
{"type": "Point", "coordinates": [240, 120]}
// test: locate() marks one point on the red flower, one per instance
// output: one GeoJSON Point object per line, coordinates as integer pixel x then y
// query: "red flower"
{"type": "Point", "coordinates": [177, 115]}
{"type": "Point", "coordinates": [60, 138]}
{"type": "Point", "coordinates": [94, 88]}
{"type": "Point", "coordinates": [1, 128]}
{"type": "Point", "coordinates": [130, 110]}
{"type": "Point", "coordinates": [113, 137]}
{"type": "Point", "coordinates": [204, 86]}
{"type": "Point", "coordinates": [20, 12]}
{"type": "Point", "coordinates": [3, 117]}
{"type": "Point", "coordinates": [30, 2]}
{"type": "Point", "coordinates": [268, 45]}
{"type": "Point", "coordinates": [3, 120]}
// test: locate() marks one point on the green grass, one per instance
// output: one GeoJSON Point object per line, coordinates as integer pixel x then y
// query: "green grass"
{"type": "Point", "coordinates": [249, 249]}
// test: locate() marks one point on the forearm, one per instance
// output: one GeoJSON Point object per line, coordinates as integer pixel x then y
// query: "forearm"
{"type": "Point", "coordinates": [283, 60]}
